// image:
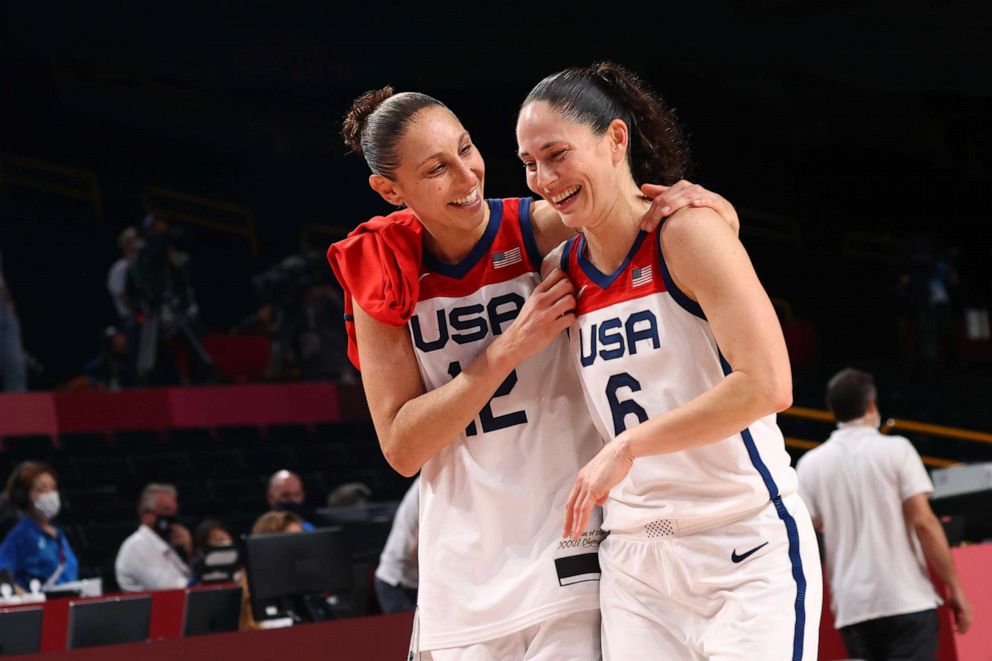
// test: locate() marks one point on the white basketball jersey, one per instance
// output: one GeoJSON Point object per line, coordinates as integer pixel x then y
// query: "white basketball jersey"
{"type": "Point", "coordinates": [492, 560]}
{"type": "Point", "coordinates": [643, 348]}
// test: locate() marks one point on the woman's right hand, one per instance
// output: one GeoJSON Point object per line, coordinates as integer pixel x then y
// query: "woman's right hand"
{"type": "Point", "coordinates": [548, 311]}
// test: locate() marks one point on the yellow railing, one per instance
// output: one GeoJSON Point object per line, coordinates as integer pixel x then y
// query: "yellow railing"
{"type": "Point", "coordinates": [51, 178]}
{"type": "Point", "coordinates": [893, 424]}
{"type": "Point", "coordinates": [210, 213]}
{"type": "Point", "coordinates": [889, 426]}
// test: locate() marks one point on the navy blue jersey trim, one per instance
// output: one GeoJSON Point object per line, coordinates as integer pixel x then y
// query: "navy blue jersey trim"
{"type": "Point", "coordinates": [680, 297]}
{"type": "Point", "coordinates": [594, 274]}
{"type": "Point", "coordinates": [792, 532]}
{"type": "Point", "coordinates": [527, 229]}
{"type": "Point", "coordinates": [349, 317]}
{"type": "Point", "coordinates": [567, 252]}
{"type": "Point", "coordinates": [459, 270]}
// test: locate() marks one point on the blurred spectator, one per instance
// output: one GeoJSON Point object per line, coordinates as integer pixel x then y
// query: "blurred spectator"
{"type": "Point", "coordinates": [349, 494]}
{"type": "Point", "coordinates": [129, 243]}
{"type": "Point", "coordinates": [925, 286]}
{"type": "Point", "coordinates": [152, 558]}
{"type": "Point", "coordinates": [111, 368]}
{"type": "Point", "coordinates": [36, 548]}
{"type": "Point", "coordinates": [397, 576]}
{"type": "Point", "coordinates": [13, 361]}
{"type": "Point", "coordinates": [285, 493]}
{"type": "Point", "coordinates": [160, 291]}
{"type": "Point", "coordinates": [209, 536]}
{"type": "Point", "coordinates": [869, 494]}
{"type": "Point", "coordinates": [270, 522]}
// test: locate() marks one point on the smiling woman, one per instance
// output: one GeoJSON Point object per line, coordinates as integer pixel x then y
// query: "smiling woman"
{"type": "Point", "coordinates": [711, 552]}
{"type": "Point", "coordinates": [466, 372]}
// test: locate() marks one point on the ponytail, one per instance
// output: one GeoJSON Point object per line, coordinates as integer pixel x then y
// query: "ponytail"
{"type": "Point", "coordinates": [598, 94]}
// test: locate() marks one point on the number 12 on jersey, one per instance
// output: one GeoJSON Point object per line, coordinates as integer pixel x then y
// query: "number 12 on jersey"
{"type": "Point", "coordinates": [489, 421]}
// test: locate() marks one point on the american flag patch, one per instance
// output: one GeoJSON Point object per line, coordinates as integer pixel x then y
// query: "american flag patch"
{"type": "Point", "coordinates": [507, 258]}
{"type": "Point", "coordinates": [641, 276]}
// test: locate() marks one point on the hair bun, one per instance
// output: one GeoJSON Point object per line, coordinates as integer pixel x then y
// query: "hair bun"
{"type": "Point", "coordinates": [358, 115]}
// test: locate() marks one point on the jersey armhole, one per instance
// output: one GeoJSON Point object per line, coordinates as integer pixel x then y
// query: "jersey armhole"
{"type": "Point", "coordinates": [527, 229]}
{"type": "Point", "coordinates": [567, 252]}
{"type": "Point", "coordinates": [678, 295]}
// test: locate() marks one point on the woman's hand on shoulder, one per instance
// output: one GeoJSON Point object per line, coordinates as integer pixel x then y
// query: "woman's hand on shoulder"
{"type": "Point", "coordinates": [666, 200]}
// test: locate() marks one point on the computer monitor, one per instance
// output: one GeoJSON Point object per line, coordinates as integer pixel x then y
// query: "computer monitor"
{"type": "Point", "coordinates": [218, 564]}
{"type": "Point", "coordinates": [109, 621]}
{"type": "Point", "coordinates": [20, 631]}
{"type": "Point", "coordinates": [340, 514]}
{"type": "Point", "coordinates": [211, 610]}
{"type": "Point", "coordinates": [288, 573]}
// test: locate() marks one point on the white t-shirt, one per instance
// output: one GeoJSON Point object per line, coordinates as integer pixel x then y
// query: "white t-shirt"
{"type": "Point", "coordinates": [855, 484]}
{"type": "Point", "coordinates": [117, 285]}
{"type": "Point", "coordinates": [398, 562]}
{"type": "Point", "coordinates": [146, 562]}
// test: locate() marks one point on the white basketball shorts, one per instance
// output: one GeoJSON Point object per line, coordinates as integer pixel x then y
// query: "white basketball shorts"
{"type": "Point", "coordinates": [749, 589]}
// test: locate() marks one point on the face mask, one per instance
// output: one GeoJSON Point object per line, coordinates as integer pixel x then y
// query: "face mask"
{"type": "Point", "coordinates": [163, 525]}
{"type": "Point", "coordinates": [48, 504]}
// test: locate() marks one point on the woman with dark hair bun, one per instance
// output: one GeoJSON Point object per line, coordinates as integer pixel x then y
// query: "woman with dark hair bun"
{"type": "Point", "coordinates": [711, 553]}
{"type": "Point", "coordinates": [467, 377]}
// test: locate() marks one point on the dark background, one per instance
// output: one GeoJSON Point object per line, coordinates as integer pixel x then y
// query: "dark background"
{"type": "Point", "coordinates": [839, 129]}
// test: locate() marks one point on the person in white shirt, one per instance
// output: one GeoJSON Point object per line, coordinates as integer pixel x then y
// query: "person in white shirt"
{"type": "Point", "coordinates": [129, 242]}
{"type": "Point", "coordinates": [397, 576]}
{"type": "Point", "coordinates": [869, 495]}
{"type": "Point", "coordinates": [150, 558]}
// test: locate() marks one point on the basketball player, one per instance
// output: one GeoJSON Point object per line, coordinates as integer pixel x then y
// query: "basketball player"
{"type": "Point", "coordinates": [710, 554]}
{"type": "Point", "coordinates": [469, 381]}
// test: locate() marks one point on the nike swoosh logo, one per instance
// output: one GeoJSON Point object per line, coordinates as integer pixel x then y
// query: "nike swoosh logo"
{"type": "Point", "coordinates": [579, 295]}
{"type": "Point", "coordinates": [744, 556]}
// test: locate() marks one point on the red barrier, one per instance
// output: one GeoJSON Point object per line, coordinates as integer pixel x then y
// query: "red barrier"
{"type": "Point", "coordinates": [972, 564]}
{"type": "Point", "coordinates": [28, 413]}
{"type": "Point", "coordinates": [163, 408]}
{"type": "Point", "coordinates": [377, 638]}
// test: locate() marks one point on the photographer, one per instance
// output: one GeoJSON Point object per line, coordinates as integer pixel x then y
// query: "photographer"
{"type": "Point", "coordinates": [160, 289]}
{"type": "Point", "coordinates": [302, 312]}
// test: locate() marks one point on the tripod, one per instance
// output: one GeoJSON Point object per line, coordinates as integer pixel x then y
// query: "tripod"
{"type": "Point", "coordinates": [178, 324]}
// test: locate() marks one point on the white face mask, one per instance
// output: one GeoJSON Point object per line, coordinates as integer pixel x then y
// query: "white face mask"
{"type": "Point", "coordinates": [48, 504]}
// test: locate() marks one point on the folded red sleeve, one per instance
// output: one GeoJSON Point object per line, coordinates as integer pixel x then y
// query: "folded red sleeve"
{"type": "Point", "coordinates": [378, 265]}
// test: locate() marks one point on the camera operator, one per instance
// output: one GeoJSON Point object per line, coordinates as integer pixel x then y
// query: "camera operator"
{"type": "Point", "coordinates": [161, 290]}
{"type": "Point", "coordinates": [302, 311]}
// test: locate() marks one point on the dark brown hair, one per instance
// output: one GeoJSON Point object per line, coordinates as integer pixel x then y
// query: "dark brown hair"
{"type": "Point", "coordinates": [598, 94]}
{"type": "Point", "coordinates": [376, 122]}
{"type": "Point", "coordinates": [20, 481]}
{"type": "Point", "coordinates": [849, 393]}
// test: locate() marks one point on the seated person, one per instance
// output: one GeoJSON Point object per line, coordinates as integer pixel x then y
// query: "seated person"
{"type": "Point", "coordinates": [35, 548]}
{"type": "Point", "coordinates": [350, 494]}
{"type": "Point", "coordinates": [397, 576]}
{"type": "Point", "coordinates": [211, 535]}
{"type": "Point", "coordinates": [286, 493]}
{"type": "Point", "coordinates": [270, 522]}
{"type": "Point", "coordinates": [154, 556]}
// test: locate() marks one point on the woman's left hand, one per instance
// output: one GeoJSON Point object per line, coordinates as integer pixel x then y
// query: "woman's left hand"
{"type": "Point", "coordinates": [593, 484]}
{"type": "Point", "coordinates": [669, 199]}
